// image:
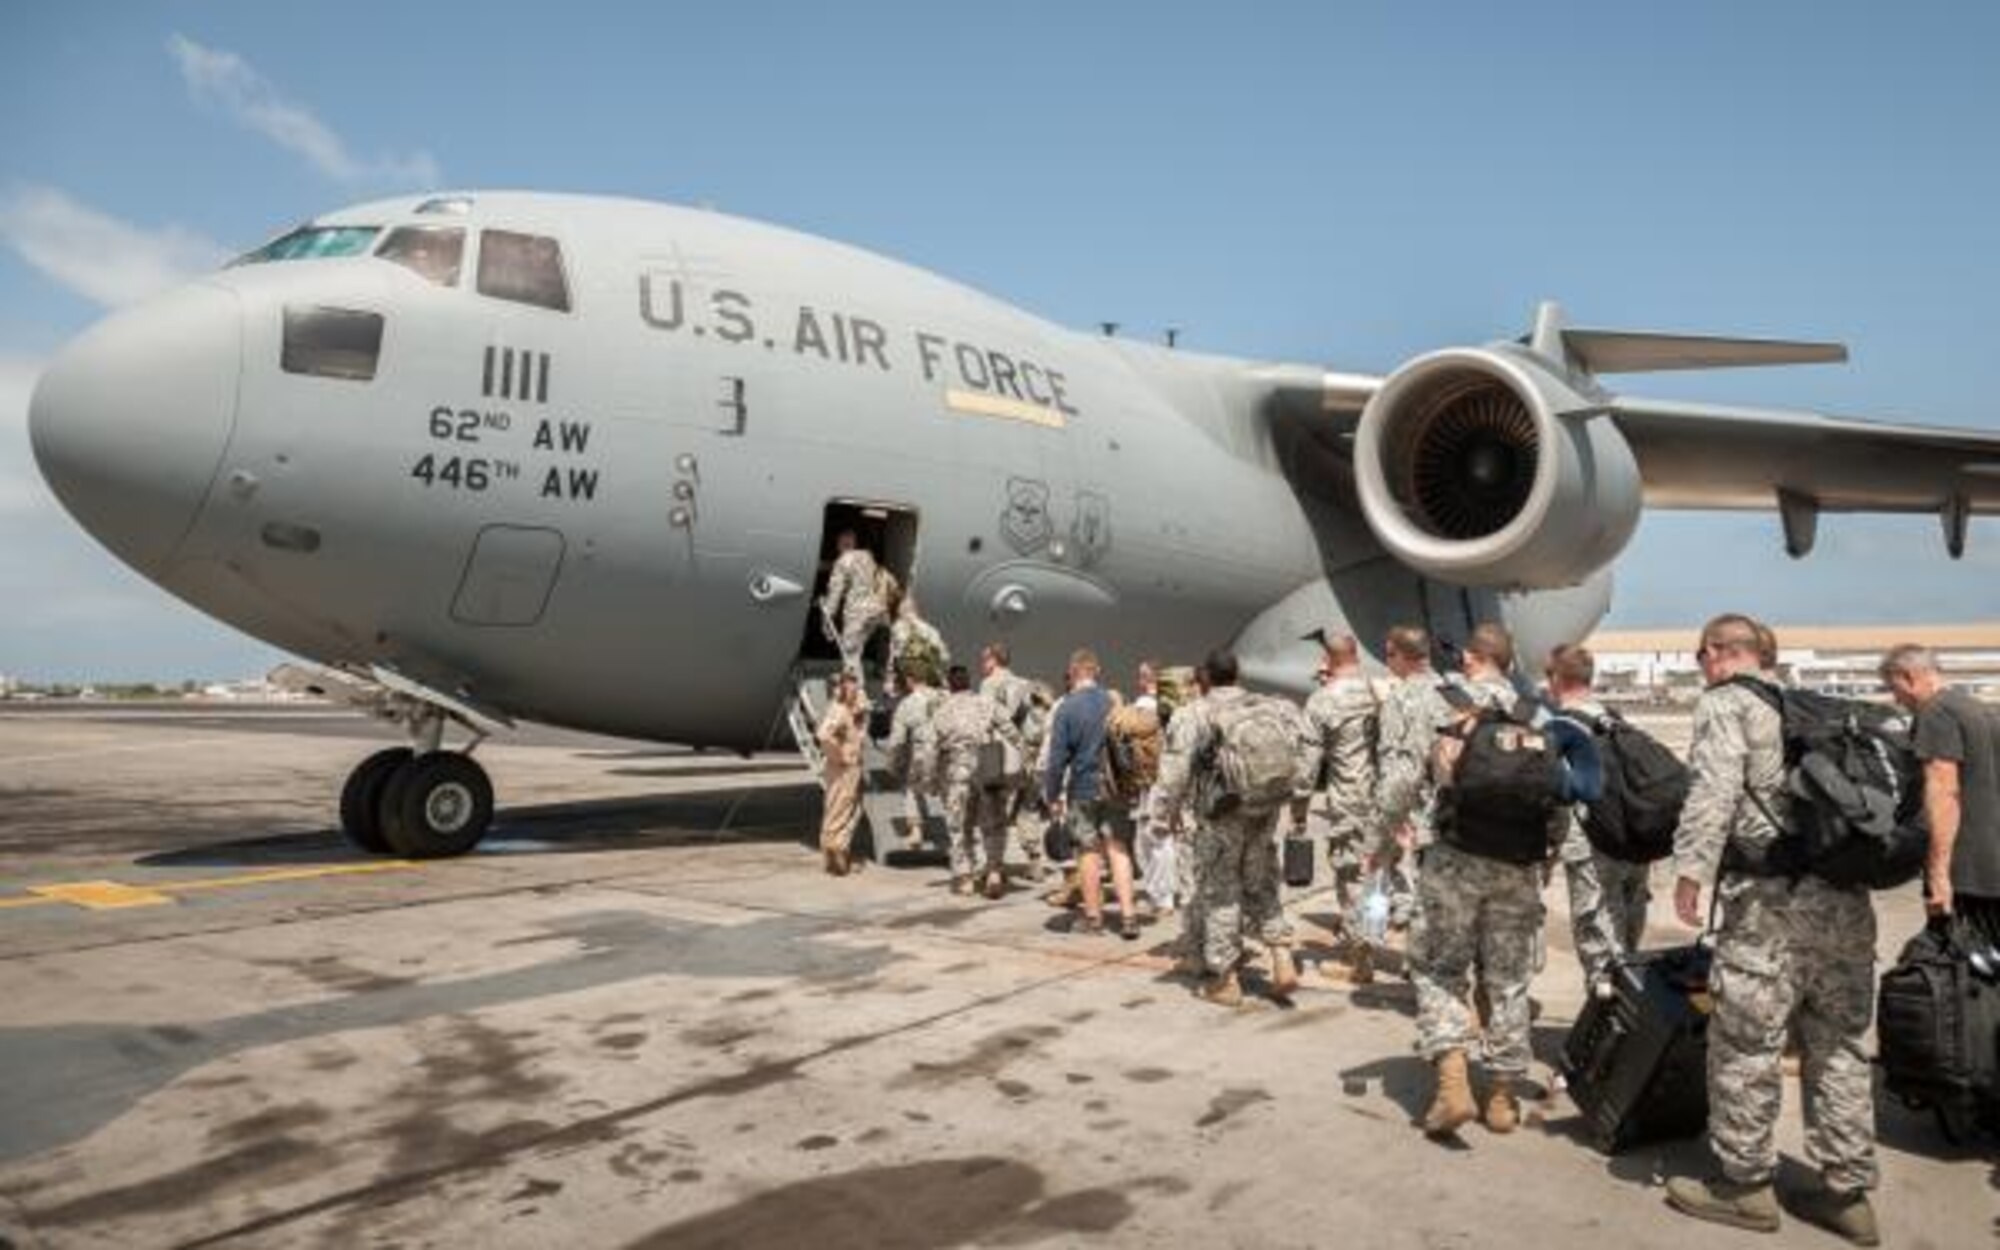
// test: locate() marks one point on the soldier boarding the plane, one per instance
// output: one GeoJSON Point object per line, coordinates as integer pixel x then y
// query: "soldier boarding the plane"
{"type": "Point", "coordinates": [1608, 894]}
{"type": "Point", "coordinates": [1236, 755]}
{"type": "Point", "coordinates": [973, 740]}
{"type": "Point", "coordinates": [1338, 759]}
{"type": "Point", "coordinates": [1405, 795]}
{"type": "Point", "coordinates": [856, 601]}
{"type": "Point", "coordinates": [1027, 704]}
{"type": "Point", "coordinates": [1794, 954]}
{"type": "Point", "coordinates": [912, 745]}
{"type": "Point", "coordinates": [1479, 892]}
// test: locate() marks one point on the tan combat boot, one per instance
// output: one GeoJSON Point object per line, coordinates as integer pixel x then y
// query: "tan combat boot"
{"type": "Point", "coordinates": [1223, 991]}
{"type": "Point", "coordinates": [1720, 1200]}
{"type": "Point", "coordinates": [1503, 1110]}
{"type": "Point", "coordinates": [1452, 1109]}
{"type": "Point", "coordinates": [1284, 973]}
{"type": "Point", "coordinates": [1845, 1213]}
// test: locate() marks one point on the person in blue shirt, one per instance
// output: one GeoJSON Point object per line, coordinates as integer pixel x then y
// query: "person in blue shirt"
{"type": "Point", "coordinates": [1076, 790]}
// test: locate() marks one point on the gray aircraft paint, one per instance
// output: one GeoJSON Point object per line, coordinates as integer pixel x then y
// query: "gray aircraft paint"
{"type": "Point", "coordinates": [654, 465]}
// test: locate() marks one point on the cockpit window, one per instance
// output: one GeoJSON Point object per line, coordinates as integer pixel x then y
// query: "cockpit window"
{"type": "Point", "coordinates": [332, 342]}
{"type": "Point", "coordinates": [431, 251]}
{"type": "Point", "coordinates": [313, 243]}
{"type": "Point", "coordinates": [525, 268]}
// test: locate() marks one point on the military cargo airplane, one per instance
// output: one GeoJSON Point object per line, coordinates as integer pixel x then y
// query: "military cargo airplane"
{"type": "Point", "coordinates": [576, 460]}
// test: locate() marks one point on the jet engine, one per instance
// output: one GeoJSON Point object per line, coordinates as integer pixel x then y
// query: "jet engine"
{"type": "Point", "coordinates": [1488, 467]}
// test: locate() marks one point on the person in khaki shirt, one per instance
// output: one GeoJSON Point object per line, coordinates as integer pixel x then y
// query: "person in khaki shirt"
{"type": "Point", "coordinates": [840, 732]}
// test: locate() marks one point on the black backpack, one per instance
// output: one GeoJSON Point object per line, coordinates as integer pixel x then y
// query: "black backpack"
{"type": "Point", "coordinates": [1645, 786]}
{"type": "Point", "coordinates": [1504, 790]}
{"type": "Point", "coordinates": [1937, 1025]}
{"type": "Point", "coordinates": [1857, 815]}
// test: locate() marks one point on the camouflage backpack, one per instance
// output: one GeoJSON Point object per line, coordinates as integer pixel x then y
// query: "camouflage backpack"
{"type": "Point", "coordinates": [1175, 690]}
{"type": "Point", "coordinates": [1255, 755]}
{"type": "Point", "coordinates": [921, 655]}
{"type": "Point", "coordinates": [1132, 742]}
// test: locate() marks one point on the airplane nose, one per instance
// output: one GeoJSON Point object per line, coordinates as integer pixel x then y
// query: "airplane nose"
{"type": "Point", "coordinates": [129, 422]}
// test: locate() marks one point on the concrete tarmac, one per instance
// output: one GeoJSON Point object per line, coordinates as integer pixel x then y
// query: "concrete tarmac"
{"type": "Point", "coordinates": [642, 1016]}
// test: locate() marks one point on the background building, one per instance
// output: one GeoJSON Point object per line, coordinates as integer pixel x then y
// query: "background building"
{"type": "Point", "coordinates": [1659, 664]}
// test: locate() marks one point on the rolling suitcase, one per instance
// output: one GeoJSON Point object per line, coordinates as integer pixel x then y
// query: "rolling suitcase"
{"type": "Point", "coordinates": [1937, 1023]}
{"type": "Point", "coordinates": [1637, 1062]}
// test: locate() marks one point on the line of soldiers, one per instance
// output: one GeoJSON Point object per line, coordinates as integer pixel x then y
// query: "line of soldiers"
{"type": "Point", "coordinates": [1791, 959]}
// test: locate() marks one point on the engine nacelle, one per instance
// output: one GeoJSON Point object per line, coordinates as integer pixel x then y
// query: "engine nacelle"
{"type": "Point", "coordinates": [1485, 467]}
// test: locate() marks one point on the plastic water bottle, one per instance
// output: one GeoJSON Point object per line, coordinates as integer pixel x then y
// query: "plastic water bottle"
{"type": "Point", "coordinates": [1375, 910]}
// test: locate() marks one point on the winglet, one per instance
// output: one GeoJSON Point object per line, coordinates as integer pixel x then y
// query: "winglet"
{"type": "Point", "coordinates": [1639, 351]}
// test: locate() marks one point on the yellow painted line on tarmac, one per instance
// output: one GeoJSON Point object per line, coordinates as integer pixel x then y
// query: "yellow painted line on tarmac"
{"type": "Point", "coordinates": [116, 895]}
{"type": "Point", "coordinates": [101, 895]}
{"type": "Point", "coordinates": [289, 874]}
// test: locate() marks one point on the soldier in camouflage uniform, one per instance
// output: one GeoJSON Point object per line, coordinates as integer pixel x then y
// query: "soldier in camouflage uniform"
{"type": "Point", "coordinates": [1173, 816]}
{"type": "Point", "coordinates": [852, 606]}
{"type": "Point", "coordinates": [1607, 896]}
{"type": "Point", "coordinates": [975, 815]}
{"type": "Point", "coordinates": [911, 746]}
{"type": "Point", "coordinates": [1339, 746]}
{"type": "Point", "coordinates": [1027, 707]}
{"type": "Point", "coordinates": [1477, 915]}
{"type": "Point", "coordinates": [916, 639]}
{"type": "Point", "coordinates": [1236, 873]}
{"type": "Point", "coordinates": [1790, 956]}
{"type": "Point", "coordinates": [1406, 733]}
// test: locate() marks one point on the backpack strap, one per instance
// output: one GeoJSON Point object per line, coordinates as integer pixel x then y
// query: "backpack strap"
{"type": "Point", "coordinates": [1763, 689]}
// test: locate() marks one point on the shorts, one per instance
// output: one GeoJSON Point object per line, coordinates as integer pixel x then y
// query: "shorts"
{"type": "Point", "coordinates": [1094, 820]}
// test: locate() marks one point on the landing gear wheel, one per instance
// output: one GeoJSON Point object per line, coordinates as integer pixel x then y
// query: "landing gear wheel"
{"type": "Point", "coordinates": [361, 799]}
{"type": "Point", "coordinates": [437, 805]}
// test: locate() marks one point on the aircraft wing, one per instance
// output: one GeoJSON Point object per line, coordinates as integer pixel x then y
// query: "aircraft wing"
{"type": "Point", "coordinates": [1802, 463]}
{"type": "Point", "coordinates": [1714, 456]}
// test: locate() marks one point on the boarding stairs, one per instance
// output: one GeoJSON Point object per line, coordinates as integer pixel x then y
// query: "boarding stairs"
{"type": "Point", "coordinates": [885, 820]}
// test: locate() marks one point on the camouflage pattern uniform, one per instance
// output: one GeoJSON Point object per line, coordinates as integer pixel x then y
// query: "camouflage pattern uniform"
{"type": "Point", "coordinates": [853, 604]}
{"type": "Point", "coordinates": [974, 815]}
{"type": "Point", "coordinates": [1173, 816]}
{"type": "Point", "coordinates": [910, 630]}
{"type": "Point", "coordinates": [912, 751]}
{"type": "Point", "coordinates": [1478, 914]}
{"type": "Point", "coordinates": [1340, 734]}
{"type": "Point", "coordinates": [1786, 956]}
{"type": "Point", "coordinates": [1405, 736]}
{"type": "Point", "coordinates": [1236, 870]}
{"type": "Point", "coordinates": [1014, 692]}
{"type": "Point", "coordinates": [1607, 896]}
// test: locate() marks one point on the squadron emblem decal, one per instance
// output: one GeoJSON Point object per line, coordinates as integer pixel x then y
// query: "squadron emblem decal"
{"type": "Point", "coordinates": [1090, 532]}
{"type": "Point", "coordinates": [1025, 521]}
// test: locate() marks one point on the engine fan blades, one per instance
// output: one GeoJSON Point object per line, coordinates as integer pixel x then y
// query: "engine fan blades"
{"type": "Point", "coordinates": [1474, 463]}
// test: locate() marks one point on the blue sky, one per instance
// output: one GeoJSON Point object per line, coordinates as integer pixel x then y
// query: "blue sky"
{"type": "Point", "coordinates": [1339, 184]}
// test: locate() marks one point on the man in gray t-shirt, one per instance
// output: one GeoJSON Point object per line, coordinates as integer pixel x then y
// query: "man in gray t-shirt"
{"type": "Point", "coordinates": [1958, 740]}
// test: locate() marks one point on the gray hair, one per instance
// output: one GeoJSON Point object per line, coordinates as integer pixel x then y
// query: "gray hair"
{"type": "Point", "coordinates": [1908, 659]}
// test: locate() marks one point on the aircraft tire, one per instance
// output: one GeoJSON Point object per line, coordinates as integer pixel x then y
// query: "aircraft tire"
{"type": "Point", "coordinates": [361, 799]}
{"type": "Point", "coordinates": [437, 805]}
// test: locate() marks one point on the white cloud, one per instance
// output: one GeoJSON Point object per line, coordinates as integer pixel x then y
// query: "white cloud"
{"type": "Point", "coordinates": [100, 257]}
{"type": "Point", "coordinates": [221, 77]}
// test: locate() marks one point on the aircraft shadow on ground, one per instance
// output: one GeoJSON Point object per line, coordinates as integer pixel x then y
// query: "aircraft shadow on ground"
{"type": "Point", "coordinates": [88, 1074]}
{"type": "Point", "coordinates": [775, 814]}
